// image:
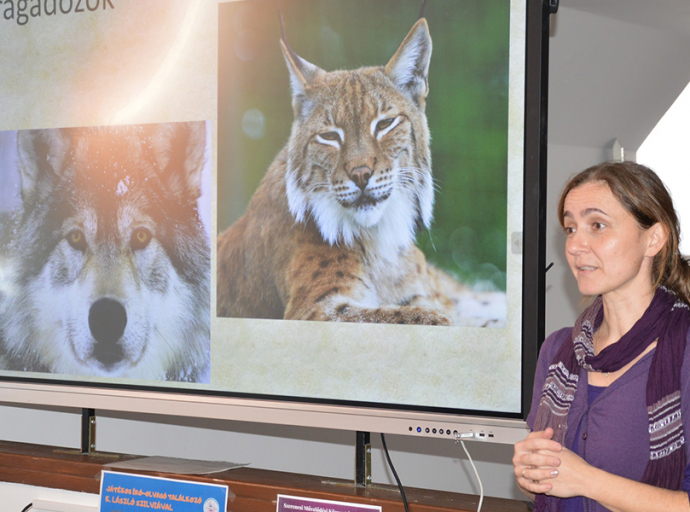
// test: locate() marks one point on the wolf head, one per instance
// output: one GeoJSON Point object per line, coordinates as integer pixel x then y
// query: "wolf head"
{"type": "Point", "coordinates": [112, 261]}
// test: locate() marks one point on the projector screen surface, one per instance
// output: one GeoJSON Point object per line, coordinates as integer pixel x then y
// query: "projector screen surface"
{"type": "Point", "coordinates": [321, 207]}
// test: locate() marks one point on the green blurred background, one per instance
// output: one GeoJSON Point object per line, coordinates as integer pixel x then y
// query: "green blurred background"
{"type": "Point", "coordinates": [467, 107]}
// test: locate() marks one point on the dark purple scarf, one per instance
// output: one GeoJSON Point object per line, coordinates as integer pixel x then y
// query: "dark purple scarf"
{"type": "Point", "coordinates": [667, 320]}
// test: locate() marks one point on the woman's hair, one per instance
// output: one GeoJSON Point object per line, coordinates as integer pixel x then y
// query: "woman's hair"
{"type": "Point", "coordinates": [645, 197]}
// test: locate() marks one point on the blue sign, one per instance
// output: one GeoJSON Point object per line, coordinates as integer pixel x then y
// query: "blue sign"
{"type": "Point", "coordinates": [123, 492]}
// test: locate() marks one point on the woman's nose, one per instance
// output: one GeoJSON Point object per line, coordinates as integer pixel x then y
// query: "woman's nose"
{"type": "Point", "coordinates": [575, 243]}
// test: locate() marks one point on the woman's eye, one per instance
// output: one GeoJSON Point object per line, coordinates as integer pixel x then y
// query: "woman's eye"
{"type": "Point", "coordinates": [140, 238]}
{"type": "Point", "coordinates": [598, 226]}
{"type": "Point", "coordinates": [77, 240]}
{"type": "Point", "coordinates": [569, 230]}
{"type": "Point", "coordinates": [385, 123]}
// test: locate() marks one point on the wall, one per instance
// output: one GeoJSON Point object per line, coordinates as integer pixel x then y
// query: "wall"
{"type": "Point", "coordinates": [604, 84]}
{"type": "Point", "coordinates": [577, 140]}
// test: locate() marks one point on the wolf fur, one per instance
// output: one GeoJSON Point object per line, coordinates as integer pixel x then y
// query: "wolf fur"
{"type": "Point", "coordinates": [106, 269]}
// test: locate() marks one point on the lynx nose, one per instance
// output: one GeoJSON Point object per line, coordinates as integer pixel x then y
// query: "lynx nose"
{"type": "Point", "coordinates": [107, 321]}
{"type": "Point", "coordinates": [360, 175]}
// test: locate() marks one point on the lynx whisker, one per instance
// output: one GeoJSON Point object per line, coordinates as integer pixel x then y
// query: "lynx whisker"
{"type": "Point", "coordinates": [407, 176]}
{"type": "Point", "coordinates": [425, 175]}
{"type": "Point", "coordinates": [413, 172]}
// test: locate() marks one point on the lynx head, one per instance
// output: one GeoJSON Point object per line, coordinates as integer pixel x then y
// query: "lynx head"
{"type": "Point", "coordinates": [358, 155]}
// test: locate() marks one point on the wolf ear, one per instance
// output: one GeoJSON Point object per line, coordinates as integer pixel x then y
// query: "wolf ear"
{"type": "Point", "coordinates": [409, 67]}
{"type": "Point", "coordinates": [41, 154]}
{"type": "Point", "coordinates": [302, 75]}
{"type": "Point", "coordinates": [180, 150]}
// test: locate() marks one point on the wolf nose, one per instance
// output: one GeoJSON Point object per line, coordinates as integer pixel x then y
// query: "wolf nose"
{"type": "Point", "coordinates": [107, 321]}
{"type": "Point", "coordinates": [360, 175]}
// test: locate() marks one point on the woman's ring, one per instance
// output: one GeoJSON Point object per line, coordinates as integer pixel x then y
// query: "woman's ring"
{"type": "Point", "coordinates": [523, 472]}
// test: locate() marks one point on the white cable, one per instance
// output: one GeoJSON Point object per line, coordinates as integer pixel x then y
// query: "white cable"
{"type": "Point", "coordinates": [476, 473]}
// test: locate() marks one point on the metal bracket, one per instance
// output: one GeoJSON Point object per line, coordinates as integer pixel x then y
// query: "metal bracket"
{"type": "Point", "coordinates": [363, 460]}
{"type": "Point", "coordinates": [88, 431]}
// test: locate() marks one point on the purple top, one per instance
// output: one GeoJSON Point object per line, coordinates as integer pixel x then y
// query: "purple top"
{"type": "Point", "coordinates": [577, 504]}
{"type": "Point", "coordinates": [612, 431]}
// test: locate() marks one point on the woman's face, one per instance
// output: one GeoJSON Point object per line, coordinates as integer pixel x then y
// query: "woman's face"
{"type": "Point", "coordinates": [608, 252]}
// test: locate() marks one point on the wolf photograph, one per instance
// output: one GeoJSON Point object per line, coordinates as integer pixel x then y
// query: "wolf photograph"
{"type": "Point", "coordinates": [104, 252]}
{"type": "Point", "coordinates": [362, 171]}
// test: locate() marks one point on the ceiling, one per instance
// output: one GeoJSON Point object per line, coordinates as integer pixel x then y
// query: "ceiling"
{"type": "Point", "coordinates": [667, 15]}
{"type": "Point", "coordinates": [615, 68]}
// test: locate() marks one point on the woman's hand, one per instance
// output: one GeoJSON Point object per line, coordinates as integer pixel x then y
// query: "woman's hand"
{"type": "Point", "coordinates": [536, 461]}
{"type": "Point", "coordinates": [578, 478]}
{"type": "Point", "coordinates": [572, 475]}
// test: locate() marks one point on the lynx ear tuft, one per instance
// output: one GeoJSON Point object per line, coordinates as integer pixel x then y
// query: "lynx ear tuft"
{"type": "Point", "coordinates": [409, 67]}
{"type": "Point", "coordinates": [302, 75]}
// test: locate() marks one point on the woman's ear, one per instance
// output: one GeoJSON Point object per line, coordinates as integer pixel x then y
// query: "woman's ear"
{"type": "Point", "coordinates": [657, 236]}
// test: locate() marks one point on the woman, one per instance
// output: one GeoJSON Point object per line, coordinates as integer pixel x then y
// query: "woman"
{"type": "Point", "coordinates": [611, 399]}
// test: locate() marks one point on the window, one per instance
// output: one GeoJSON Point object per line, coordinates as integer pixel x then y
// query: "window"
{"type": "Point", "coordinates": [666, 151]}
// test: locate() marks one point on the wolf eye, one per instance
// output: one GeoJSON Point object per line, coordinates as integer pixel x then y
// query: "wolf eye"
{"type": "Point", "coordinates": [141, 237]}
{"type": "Point", "coordinates": [384, 123]}
{"type": "Point", "coordinates": [77, 240]}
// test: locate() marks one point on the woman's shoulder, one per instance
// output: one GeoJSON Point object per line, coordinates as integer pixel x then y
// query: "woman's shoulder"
{"type": "Point", "coordinates": [546, 355]}
{"type": "Point", "coordinates": [554, 341]}
{"type": "Point", "coordinates": [548, 351]}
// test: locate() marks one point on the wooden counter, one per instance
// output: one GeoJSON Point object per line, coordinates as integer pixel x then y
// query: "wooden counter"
{"type": "Point", "coordinates": [255, 490]}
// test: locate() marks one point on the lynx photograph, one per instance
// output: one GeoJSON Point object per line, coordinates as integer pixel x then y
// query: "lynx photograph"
{"type": "Point", "coordinates": [362, 161]}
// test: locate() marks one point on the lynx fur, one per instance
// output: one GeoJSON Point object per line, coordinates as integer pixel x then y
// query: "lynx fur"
{"type": "Point", "coordinates": [330, 232]}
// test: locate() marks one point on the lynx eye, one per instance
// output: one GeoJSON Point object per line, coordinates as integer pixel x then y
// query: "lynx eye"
{"type": "Point", "coordinates": [382, 125]}
{"type": "Point", "coordinates": [141, 237]}
{"type": "Point", "coordinates": [333, 136]}
{"type": "Point", "coordinates": [386, 125]}
{"type": "Point", "coordinates": [77, 240]}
